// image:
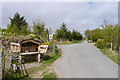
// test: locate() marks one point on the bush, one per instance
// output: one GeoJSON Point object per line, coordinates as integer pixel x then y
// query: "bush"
{"type": "Point", "coordinates": [48, 43]}
{"type": "Point", "coordinates": [76, 35]}
{"type": "Point", "coordinates": [45, 57]}
{"type": "Point", "coordinates": [101, 43]}
{"type": "Point", "coordinates": [108, 45]}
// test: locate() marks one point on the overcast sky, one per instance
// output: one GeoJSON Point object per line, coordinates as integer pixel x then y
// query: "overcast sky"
{"type": "Point", "coordinates": [77, 15]}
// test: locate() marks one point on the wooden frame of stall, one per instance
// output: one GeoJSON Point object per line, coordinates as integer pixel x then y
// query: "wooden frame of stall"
{"type": "Point", "coordinates": [29, 47]}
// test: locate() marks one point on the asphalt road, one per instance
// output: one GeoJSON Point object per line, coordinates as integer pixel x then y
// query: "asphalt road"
{"type": "Point", "coordinates": [84, 61]}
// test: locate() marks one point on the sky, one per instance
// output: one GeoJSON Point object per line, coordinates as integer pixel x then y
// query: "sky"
{"type": "Point", "coordinates": [77, 15]}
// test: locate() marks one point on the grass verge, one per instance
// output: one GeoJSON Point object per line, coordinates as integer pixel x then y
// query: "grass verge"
{"type": "Point", "coordinates": [33, 70]}
{"type": "Point", "coordinates": [68, 42]}
{"type": "Point", "coordinates": [49, 76]}
{"type": "Point", "coordinates": [110, 54]}
{"type": "Point", "coordinates": [44, 64]}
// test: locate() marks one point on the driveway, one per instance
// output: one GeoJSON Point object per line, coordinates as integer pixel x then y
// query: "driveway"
{"type": "Point", "coordinates": [84, 60]}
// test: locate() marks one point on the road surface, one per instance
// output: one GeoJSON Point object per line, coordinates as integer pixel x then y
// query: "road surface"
{"type": "Point", "coordinates": [84, 61]}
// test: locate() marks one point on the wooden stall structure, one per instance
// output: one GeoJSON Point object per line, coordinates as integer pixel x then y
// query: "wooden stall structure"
{"type": "Point", "coordinates": [27, 47]}
{"type": "Point", "coordinates": [30, 45]}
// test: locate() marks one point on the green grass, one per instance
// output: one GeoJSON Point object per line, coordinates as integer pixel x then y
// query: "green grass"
{"type": "Point", "coordinates": [76, 41]}
{"type": "Point", "coordinates": [49, 76]}
{"type": "Point", "coordinates": [44, 64]}
{"type": "Point", "coordinates": [10, 75]}
{"type": "Point", "coordinates": [53, 58]}
{"type": "Point", "coordinates": [112, 56]}
{"type": "Point", "coordinates": [32, 70]}
{"type": "Point", "coordinates": [68, 42]}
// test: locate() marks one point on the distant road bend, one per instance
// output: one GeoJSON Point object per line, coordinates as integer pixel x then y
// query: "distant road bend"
{"type": "Point", "coordinates": [84, 61]}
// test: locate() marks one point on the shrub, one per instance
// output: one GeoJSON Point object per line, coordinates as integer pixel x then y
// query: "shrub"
{"type": "Point", "coordinates": [45, 57]}
{"type": "Point", "coordinates": [101, 43]}
{"type": "Point", "coordinates": [48, 43]}
{"type": "Point", "coordinates": [108, 45]}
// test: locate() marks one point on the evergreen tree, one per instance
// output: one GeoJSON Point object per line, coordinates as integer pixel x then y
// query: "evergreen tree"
{"type": "Point", "coordinates": [61, 33]}
{"type": "Point", "coordinates": [17, 24]}
{"type": "Point", "coordinates": [18, 20]}
{"type": "Point", "coordinates": [64, 34]}
{"type": "Point", "coordinates": [14, 30]}
{"type": "Point", "coordinates": [76, 35]}
{"type": "Point", "coordinates": [39, 27]}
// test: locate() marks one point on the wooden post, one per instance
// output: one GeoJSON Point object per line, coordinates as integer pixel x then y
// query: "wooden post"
{"type": "Point", "coordinates": [14, 67]}
{"type": "Point", "coordinates": [54, 47]}
{"type": "Point", "coordinates": [60, 41]}
{"type": "Point", "coordinates": [20, 57]}
{"type": "Point", "coordinates": [3, 66]}
{"type": "Point", "coordinates": [39, 57]}
{"type": "Point", "coordinates": [111, 46]}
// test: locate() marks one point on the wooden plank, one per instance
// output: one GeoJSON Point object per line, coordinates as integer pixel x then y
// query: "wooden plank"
{"type": "Point", "coordinates": [29, 53]}
{"type": "Point", "coordinates": [43, 48]}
